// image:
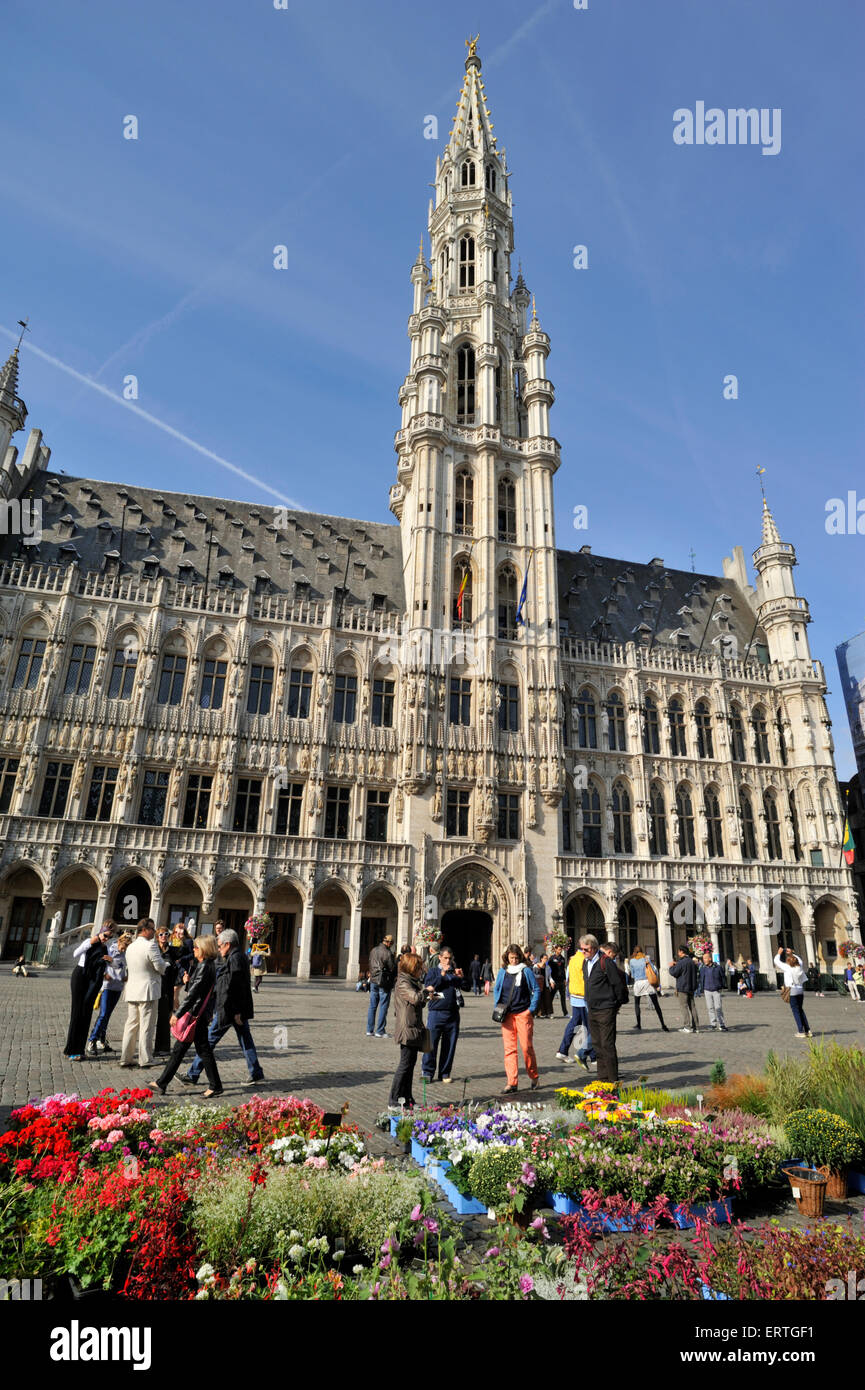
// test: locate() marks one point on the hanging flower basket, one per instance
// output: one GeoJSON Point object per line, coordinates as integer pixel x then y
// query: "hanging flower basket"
{"type": "Point", "coordinates": [428, 934]}
{"type": "Point", "coordinates": [555, 938]}
{"type": "Point", "coordinates": [257, 928]}
{"type": "Point", "coordinates": [698, 944]}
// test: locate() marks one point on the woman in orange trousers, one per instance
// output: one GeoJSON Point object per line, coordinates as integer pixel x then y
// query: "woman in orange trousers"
{"type": "Point", "coordinates": [517, 996]}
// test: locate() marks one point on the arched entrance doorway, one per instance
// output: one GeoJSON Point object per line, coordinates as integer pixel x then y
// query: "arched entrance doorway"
{"type": "Point", "coordinates": [380, 917]}
{"type": "Point", "coordinates": [22, 893]}
{"type": "Point", "coordinates": [584, 917]}
{"type": "Point", "coordinates": [468, 933]}
{"type": "Point", "coordinates": [131, 901]}
{"type": "Point", "coordinates": [474, 914]}
{"type": "Point", "coordinates": [637, 926]}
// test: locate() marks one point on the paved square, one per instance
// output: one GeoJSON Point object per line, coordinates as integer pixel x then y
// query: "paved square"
{"type": "Point", "coordinates": [311, 1039]}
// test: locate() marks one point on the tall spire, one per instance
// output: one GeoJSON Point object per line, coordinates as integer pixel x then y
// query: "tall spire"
{"type": "Point", "coordinates": [12, 409]}
{"type": "Point", "coordinates": [770, 530]}
{"type": "Point", "coordinates": [472, 127]}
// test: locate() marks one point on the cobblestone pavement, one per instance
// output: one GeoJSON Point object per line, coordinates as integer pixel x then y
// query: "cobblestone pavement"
{"type": "Point", "coordinates": [329, 1058]}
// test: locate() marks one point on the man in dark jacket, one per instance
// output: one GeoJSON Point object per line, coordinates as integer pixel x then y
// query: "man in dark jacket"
{"type": "Point", "coordinates": [233, 1008]}
{"type": "Point", "coordinates": [712, 980]}
{"type": "Point", "coordinates": [684, 972]}
{"type": "Point", "coordinates": [606, 990]}
{"type": "Point", "coordinates": [382, 977]}
{"type": "Point", "coordinates": [558, 976]}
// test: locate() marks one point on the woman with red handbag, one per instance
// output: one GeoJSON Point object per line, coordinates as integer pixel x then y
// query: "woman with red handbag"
{"type": "Point", "coordinates": [190, 1025]}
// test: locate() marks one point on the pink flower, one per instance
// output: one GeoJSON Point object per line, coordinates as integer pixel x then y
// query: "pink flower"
{"type": "Point", "coordinates": [527, 1283]}
{"type": "Point", "coordinates": [115, 1135]}
{"type": "Point", "coordinates": [415, 1216]}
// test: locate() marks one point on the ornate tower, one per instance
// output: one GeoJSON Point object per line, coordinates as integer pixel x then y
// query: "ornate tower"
{"type": "Point", "coordinates": [781, 613]}
{"type": "Point", "coordinates": [13, 413]}
{"type": "Point", "coordinates": [474, 497]}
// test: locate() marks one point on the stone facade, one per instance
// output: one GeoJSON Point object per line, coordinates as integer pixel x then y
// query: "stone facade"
{"type": "Point", "coordinates": [211, 707]}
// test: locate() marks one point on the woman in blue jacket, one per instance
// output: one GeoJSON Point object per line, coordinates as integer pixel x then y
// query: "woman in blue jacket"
{"type": "Point", "coordinates": [518, 994]}
{"type": "Point", "coordinates": [443, 1016]}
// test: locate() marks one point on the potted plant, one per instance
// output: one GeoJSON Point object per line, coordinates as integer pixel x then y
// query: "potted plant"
{"type": "Point", "coordinates": [828, 1142]}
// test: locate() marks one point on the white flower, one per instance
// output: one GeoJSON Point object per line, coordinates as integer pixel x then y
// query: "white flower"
{"type": "Point", "coordinates": [280, 1291]}
{"type": "Point", "coordinates": [206, 1272]}
{"type": "Point", "coordinates": [338, 1255]}
{"type": "Point", "coordinates": [294, 1235]}
{"type": "Point", "coordinates": [295, 1252]}
{"type": "Point", "coordinates": [357, 1269]}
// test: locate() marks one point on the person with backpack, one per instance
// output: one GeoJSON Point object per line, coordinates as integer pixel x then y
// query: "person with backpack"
{"type": "Point", "coordinates": [382, 976]}
{"type": "Point", "coordinates": [684, 972]}
{"type": "Point", "coordinates": [645, 979]}
{"type": "Point", "coordinates": [606, 992]}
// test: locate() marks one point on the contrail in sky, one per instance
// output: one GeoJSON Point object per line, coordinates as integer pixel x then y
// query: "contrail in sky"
{"type": "Point", "coordinates": [154, 420]}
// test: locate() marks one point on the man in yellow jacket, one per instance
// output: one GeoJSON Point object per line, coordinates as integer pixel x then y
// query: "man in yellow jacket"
{"type": "Point", "coordinates": [579, 1013]}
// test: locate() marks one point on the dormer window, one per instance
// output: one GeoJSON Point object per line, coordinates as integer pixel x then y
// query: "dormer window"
{"type": "Point", "coordinates": [467, 174]}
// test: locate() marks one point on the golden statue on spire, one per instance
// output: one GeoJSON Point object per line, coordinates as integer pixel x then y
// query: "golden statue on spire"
{"type": "Point", "coordinates": [472, 45]}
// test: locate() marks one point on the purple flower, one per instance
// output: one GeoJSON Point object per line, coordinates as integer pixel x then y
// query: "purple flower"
{"type": "Point", "coordinates": [492, 1252]}
{"type": "Point", "coordinates": [383, 1264]}
{"type": "Point", "coordinates": [431, 1226]}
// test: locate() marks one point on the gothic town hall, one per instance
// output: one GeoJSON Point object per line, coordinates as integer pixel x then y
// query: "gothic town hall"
{"type": "Point", "coordinates": [211, 707]}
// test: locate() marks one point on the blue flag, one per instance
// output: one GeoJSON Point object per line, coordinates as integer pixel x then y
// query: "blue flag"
{"type": "Point", "coordinates": [522, 603]}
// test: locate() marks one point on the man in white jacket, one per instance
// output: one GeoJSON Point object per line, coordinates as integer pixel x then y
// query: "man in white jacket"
{"type": "Point", "coordinates": [145, 964]}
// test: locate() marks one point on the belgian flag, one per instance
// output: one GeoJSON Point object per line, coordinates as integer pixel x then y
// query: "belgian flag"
{"type": "Point", "coordinates": [848, 847]}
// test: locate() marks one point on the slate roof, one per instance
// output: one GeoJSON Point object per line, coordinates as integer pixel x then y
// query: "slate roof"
{"type": "Point", "coordinates": [600, 597]}
{"type": "Point", "coordinates": [618, 601]}
{"type": "Point", "coordinates": [169, 533]}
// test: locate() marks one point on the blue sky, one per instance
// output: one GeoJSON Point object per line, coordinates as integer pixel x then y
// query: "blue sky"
{"type": "Point", "coordinates": [305, 127]}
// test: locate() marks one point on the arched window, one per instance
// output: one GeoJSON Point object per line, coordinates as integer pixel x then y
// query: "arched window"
{"type": "Point", "coordinates": [591, 823]}
{"type": "Point", "coordinates": [622, 840]}
{"type": "Point", "coordinates": [444, 268]}
{"type": "Point", "coordinates": [467, 263]}
{"type": "Point", "coordinates": [714, 825]}
{"type": "Point", "coordinates": [685, 810]}
{"type": "Point", "coordinates": [567, 826]}
{"type": "Point", "coordinates": [506, 601]}
{"type": "Point", "coordinates": [628, 927]}
{"type": "Point", "coordinates": [616, 741]}
{"type": "Point", "coordinates": [462, 591]}
{"type": "Point", "coordinates": [509, 702]}
{"type": "Point", "coordinates": [651, 727]}
{"type": "Point", "coordinates": [782, 742]}
{"type": "Point", "coordinates": [490, 178]}
{"type": "Point", "coordinates": [794, 827]}
{"type": "Point", "coordinates": [467, 174]}
{"type": "Point", "coordinates": [498, 392]}
{"type": "Point", "coordinates": [507, 503]}
{"type": "Point", "coordinates": [773, 826]}
{"type": "Point", "coordinates": [466, 385]}
{"type": "Point", "coordinates": [587, 724]}
{"type": "Point", "coordinates": [746, 816]}
{"type": "Point", "coordinates": [761, 734]}
{"type": "Point", "coordinates": [657, 821]}
{"type": "Point", "coordinates": [464, 503]}
{"type": "Point", "coordinates": [737, 735]}
{"type": "Point", "coordinates": [261, 682]}
{"type": "Point", "coordinates": [676, 718]}
{"type": "Point", "coordinates": [31, 655]}
{"type": "Point", "coordinates": [705, 743]}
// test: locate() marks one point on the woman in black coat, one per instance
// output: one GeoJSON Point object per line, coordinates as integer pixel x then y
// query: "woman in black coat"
{"type": "Point", "coordinates": [199, 1002]}
{"type": "Point", "coordinates": [163, 1041]}
{"type": "Point", "coordinates": [88, 972]}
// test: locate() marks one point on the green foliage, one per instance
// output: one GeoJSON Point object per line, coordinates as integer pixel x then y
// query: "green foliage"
{"type": "Point", "coordinates": [404, 1128]}
{"type": "Point", "coordinates": [361, 1209]}
{"type": "Point", "coordinates": [822, 1138]}
{"type": "Point", "coordinates": [493, 1171]}
{"type": "Point", "coordinates": [791, 1086]}
{"type": "Point", "coordinates": [651, 1099]}
{"type": "Point", "coordinates": [718, 1074]}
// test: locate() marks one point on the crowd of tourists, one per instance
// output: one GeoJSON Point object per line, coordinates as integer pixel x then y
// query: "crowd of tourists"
{"type": "Point", "coordinates": [592, 985]}
{"type": "Point", "coordinates": [180, 992]}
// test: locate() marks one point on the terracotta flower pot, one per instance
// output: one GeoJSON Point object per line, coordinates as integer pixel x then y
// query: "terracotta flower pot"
{"type": "Point", "coordinates": [836, 1185]}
